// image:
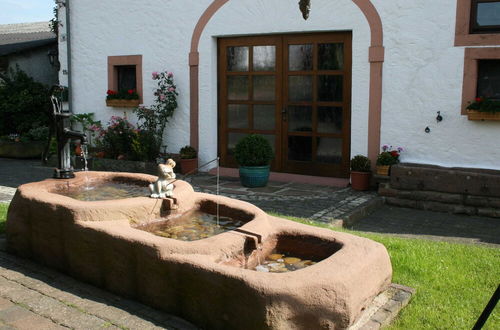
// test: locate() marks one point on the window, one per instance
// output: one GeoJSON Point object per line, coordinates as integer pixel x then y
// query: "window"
{"type": "Point", "coordinates": [124, 73]}
{"type": "Point", "coordinates": [126, 77]}
{"type": "Point", "coordinates": [477, 23]}
{"type": "Point", "coordinates": [481, 74]}
{"type": "Point", "coordinates": [485, 16]}
{"type": "Point", "coordinates": [488, 79]}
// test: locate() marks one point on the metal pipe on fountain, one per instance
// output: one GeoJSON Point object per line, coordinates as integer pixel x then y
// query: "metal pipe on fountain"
{"type": "Point", "coordinates": [64, 135]}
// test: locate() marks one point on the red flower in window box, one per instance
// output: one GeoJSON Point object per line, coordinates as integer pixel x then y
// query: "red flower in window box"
{"type": "Point", "coordinates": [130, 94]}
{"type": "Point", "coordinates": [484, 104]}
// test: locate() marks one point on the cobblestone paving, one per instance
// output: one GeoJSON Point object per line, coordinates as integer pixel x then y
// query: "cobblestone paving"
{"type": "Point", "coordinates": [14, 172]}
{"type": "Point", "coordinates": [35, 297]}
{"type": "Point", "coordinates": [318, 203]}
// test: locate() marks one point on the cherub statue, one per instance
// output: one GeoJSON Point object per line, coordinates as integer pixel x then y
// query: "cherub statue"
{"type": "Point", "coordinates": [163, 187]}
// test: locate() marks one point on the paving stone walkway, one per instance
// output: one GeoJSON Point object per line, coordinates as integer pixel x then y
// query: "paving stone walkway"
{"type": "Point", "coordinates": [35, 297]}
{"type": "Point", "coordinates": [323, 204]}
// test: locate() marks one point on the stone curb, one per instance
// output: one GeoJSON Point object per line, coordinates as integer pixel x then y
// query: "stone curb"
{"type": "Point", "coordinates": [385, 308]}
{"type": "Point", "coordinates": [362, 211]}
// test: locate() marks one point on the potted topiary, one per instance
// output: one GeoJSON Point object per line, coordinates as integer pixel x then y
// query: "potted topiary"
{"type": "Point", "coordinates": [189, 160]}
{"type": "Point", "coordinates": [360, 172]}
{"type": "Point", "coordinates": [254, 154]}
{"type": "Point", "coordinates": [387, 158]}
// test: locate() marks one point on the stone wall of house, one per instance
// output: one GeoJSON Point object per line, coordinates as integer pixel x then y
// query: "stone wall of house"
{"type": "Point", "coordinates": [422, 73]}
{"type": "Point", "coordinates": [35, 63]}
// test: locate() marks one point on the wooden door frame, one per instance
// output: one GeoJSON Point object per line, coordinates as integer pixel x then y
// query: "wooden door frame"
{"type": "Point", "coordinates": [281, 42]}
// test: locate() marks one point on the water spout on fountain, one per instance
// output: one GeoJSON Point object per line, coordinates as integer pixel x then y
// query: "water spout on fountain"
{"type": "Point", "coordinates": [218, 166]}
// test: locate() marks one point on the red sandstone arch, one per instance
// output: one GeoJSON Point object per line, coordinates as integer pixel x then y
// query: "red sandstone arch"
{"type": "Point", "coordinates": [376, 59]}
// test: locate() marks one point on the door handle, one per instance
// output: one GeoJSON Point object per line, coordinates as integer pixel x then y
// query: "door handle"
{"type": "Point", "coordinates": [284, 114]}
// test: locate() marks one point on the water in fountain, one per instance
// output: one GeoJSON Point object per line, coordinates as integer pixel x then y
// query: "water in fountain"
{"type": "Point", "coordinates": [103, 191]}
{"type": "Point", "coordinates": [192, 226]}
{"type": "Point", "coordinates": [282, 263]}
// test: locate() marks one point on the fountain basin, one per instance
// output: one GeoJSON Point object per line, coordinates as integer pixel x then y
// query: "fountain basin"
{"type": "Point", "coordinates": [210, 281]}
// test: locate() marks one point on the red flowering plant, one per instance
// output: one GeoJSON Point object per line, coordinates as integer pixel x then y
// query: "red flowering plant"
{"type": "Point", "coordinates": [116, 139]}
{"type": "Point", "coordinates": [389, 155]}
{"type": "Point", "coordinates": [123, 94]}
{"type": "Point", "coordinates": [484, 104]}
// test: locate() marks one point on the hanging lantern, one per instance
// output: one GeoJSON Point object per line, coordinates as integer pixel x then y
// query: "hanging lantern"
{"type": "Point", "coordinates": [305, 8]}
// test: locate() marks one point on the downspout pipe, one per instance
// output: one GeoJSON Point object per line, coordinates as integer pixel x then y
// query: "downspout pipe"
{"type": "Point", "coordinates": [68, 54]}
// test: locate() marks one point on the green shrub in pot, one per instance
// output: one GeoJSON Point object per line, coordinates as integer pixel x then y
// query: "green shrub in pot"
{"type": "Point", "coordinates": [254, 154]}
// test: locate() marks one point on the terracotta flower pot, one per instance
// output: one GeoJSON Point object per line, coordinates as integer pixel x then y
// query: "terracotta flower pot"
{"type": "Point", "coordinates": [360, 180]}
{"type": "Point", "coordinates": [189, 165]}
{"type": "Point", "coordinates": [383, 169]}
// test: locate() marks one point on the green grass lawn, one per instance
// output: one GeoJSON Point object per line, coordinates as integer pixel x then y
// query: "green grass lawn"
{"type": "Point", "coordinates": [3, 216]}
{"type": "Point", "coordinates": [454, 282]}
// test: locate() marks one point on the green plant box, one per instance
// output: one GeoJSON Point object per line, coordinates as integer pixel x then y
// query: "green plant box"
{"type": "Point", "coordinates": [254, 176]}
{"type": "Point", "coordinates": [33, 149]}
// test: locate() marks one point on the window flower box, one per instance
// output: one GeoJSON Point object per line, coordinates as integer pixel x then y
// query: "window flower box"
{"type": "Point", "coordinates": [483, 108]}
{"type": "Point", "coordinates": [120, 103]}
{"type": "Point", "coordinates": [122, 98]}
{"type": "Point", "coordinates": [481, 115]}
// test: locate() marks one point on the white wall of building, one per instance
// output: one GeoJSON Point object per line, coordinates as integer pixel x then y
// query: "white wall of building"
{"type": "Point", "coordinates": [423, 74]}
{"type": "Point", "coordinates": [422, 69]}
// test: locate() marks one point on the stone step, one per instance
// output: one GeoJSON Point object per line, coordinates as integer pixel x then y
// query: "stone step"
{"type": "Point", "coordinates": [441, 201]}
{"type": "Point", "coordinates": [469, 181]}
{"type": "Point", "coordinates": [387, 190]}
{"type": "Point", "coordinates": [430, 205]}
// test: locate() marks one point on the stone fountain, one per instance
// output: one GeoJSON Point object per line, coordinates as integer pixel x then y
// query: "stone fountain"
{"type": "Point", "coordinates": [117, 245]}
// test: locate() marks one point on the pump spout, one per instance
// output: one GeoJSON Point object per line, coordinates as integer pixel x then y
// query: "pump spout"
{"type": "Point", "coordinates": [74, 135]}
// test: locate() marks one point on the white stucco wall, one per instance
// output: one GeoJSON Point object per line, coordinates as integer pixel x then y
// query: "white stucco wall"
{"type": "Point", "coordinates": [422, 70]}
{"type": "Point", "coordinates": [423, 74]}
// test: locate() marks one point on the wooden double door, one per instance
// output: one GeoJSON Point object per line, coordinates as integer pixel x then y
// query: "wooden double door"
{"type": "Point", "coordinates": [294, 90]}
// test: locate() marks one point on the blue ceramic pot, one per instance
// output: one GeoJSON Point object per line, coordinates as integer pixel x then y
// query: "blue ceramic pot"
{"type": "Point", "coordinates": [254, 176]}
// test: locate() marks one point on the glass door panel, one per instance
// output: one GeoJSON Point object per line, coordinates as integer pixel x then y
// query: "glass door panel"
{"type": "Point", "coordinates": [264, 58]}
{"type": "Point", "coordinates": [264, 117]}
{"type": "Point", "coordinates": [300, 57]}
{"type": "Point", "coordinates": [264, 88]}
{"type": "Point", "coordinates": [237, 58]}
